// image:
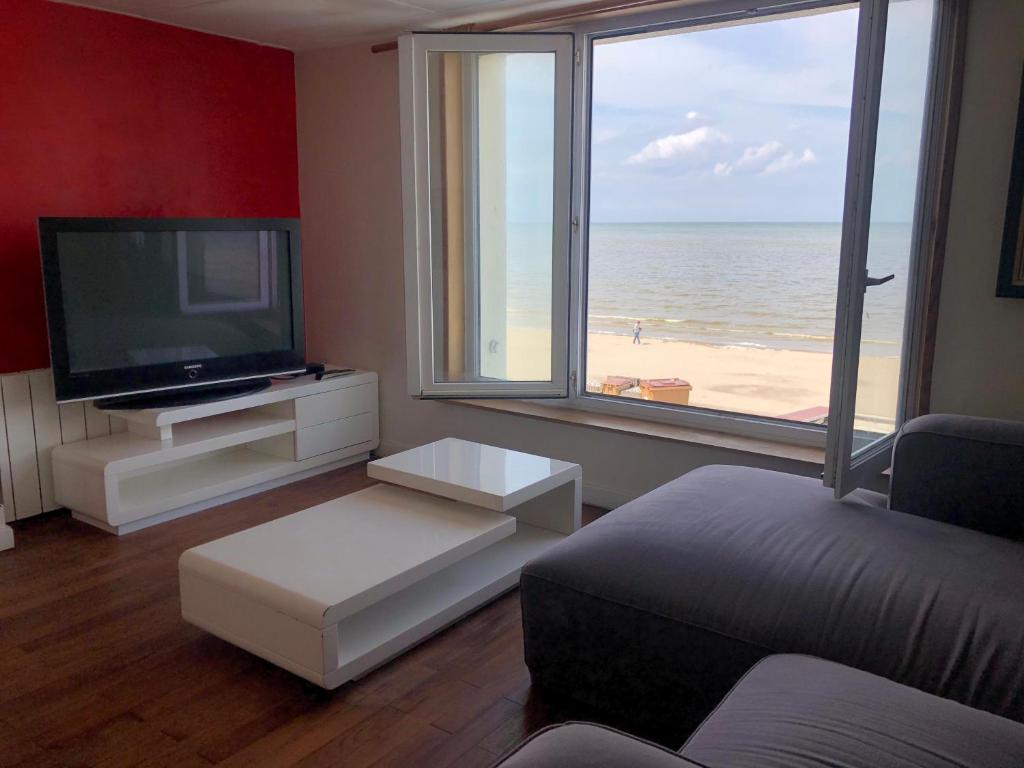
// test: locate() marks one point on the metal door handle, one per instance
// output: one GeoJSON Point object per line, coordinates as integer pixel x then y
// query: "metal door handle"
{"type": "Point", "coordinates": [869, 280]}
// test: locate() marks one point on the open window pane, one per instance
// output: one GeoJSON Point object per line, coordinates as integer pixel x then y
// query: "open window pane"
{"type": "Point", "coordinates": [892, 237]}
{"type": "Point", "coordinates": [716, 189]}
{"type": "Point", "coordinates": [491, 256]}
{"type": "Point", "coordinates": [881, 240]}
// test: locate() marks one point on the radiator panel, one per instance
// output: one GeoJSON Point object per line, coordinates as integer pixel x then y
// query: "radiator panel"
{"type": "Point", "coordinates": [31, 426]}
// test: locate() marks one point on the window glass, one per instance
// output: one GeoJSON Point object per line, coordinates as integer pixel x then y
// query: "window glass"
{"type": "Point", "coordinates": [718, 170]}
{"type": "Point", "coordinates": [492, 143]}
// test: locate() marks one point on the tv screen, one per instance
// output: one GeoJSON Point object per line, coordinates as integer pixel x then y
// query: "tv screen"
{"type": "Point", "coordinates": [137, 305]}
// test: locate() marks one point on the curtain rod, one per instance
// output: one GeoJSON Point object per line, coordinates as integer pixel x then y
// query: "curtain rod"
{"type": "Point", "coordinates": [550, 17]}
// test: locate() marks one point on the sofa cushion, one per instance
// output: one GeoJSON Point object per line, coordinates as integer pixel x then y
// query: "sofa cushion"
{"type": "Point", "coordinates": [961, 470]}
{"type": "Point", "coordinates": [589, 746]}
{"type": "Point", "coordinates": [669, 599]}
{"type": "Point", "coordinates": [801, 712]}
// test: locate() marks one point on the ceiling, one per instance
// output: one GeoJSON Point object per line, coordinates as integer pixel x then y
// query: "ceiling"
{"type": "Point", "coordinates": [307, 24]}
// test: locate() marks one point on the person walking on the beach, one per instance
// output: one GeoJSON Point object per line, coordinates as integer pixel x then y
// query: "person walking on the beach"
{"type": "Point", "coordinates": [636, 332]}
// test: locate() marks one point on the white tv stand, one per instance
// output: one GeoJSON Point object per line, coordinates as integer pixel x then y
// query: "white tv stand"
{"type": "Point", "coordinates": [175, 461]}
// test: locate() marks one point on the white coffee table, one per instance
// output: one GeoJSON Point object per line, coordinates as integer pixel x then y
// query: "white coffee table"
{"type": "Point", "coordinates": [335, 590]}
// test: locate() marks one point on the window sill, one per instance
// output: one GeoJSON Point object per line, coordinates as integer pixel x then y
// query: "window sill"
{"type": "Point", "coordinates": [652, 429]}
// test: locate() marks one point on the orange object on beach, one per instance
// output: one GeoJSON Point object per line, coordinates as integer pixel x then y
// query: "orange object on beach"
{"type": "Point", "coordinates": [676, 391]}
{"type": "Point", "coordinates": [616, 385]}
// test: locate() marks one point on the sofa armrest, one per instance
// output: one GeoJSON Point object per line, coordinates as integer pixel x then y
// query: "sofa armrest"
{"type": "Point", "coordinates": [582, 745]}
{"type": "Point", "coordinates": [961, 470]}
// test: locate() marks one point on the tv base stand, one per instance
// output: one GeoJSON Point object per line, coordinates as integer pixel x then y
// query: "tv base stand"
{"type": "Point", "coordinates": [175, 461]}
{"type": "Point", "coordinates": [206, 393]}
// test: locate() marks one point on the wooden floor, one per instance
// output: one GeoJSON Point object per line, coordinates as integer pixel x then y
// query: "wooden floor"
{"type": "Point", "coordinates": [97, 667]}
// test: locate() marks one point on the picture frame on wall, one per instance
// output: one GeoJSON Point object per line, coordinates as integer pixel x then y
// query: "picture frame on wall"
{"type": "Point", "coordinates": [1011, 261]}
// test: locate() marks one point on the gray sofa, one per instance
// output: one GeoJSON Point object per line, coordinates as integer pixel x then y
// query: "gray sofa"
{"type": "Point", "coordinates": [652, 613]}
{"type": "Point", "coordinates": [800, 712]}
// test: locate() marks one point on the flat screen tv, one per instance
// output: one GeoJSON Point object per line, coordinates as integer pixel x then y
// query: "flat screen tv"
{"type": "Point", "coordinates": [189, 308]}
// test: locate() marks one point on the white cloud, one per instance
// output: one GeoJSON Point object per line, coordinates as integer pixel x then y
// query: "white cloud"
{"type": "Point", "coordinates": [790, 161]}
{"type": "Point", "coordinates": [678, 145]}
{"type": "Point", "coordinates": [752, 160]}
{"type": "Point", "coordinates": [694, 115]}
{"type": "Point", "coordinates": [765, 159]}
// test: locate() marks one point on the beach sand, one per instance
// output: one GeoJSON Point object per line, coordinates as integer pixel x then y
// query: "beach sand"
{"type": "Point", "coordinates": [754, 380]}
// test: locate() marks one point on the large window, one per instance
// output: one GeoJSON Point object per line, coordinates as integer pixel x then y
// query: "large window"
{"type": "Point", "coordinates": [705, 216]}
{"type": "Point", "coordinates": [718, 166]}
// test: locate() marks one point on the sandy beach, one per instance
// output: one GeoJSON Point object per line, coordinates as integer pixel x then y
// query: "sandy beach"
{"type": "Point", "coordinates": [766, 382]}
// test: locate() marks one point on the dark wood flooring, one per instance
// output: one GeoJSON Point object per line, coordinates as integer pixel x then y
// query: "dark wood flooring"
{"type": "Point", "coordinates": [97, 667]}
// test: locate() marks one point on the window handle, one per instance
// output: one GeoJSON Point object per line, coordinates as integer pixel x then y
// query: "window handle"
{"type": "Point", "coordinates": [870, 281]}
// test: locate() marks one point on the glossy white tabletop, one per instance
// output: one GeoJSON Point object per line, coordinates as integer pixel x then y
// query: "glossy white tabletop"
{"type": "Point", "coordinates": [492, 477]}
{"type": "Point", "coordinates": [331, 560]}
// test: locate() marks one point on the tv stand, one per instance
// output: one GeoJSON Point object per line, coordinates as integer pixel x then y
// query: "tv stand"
{"type": "Point", "coordinates": [172, 398]}
{"type": "Point", "coordinates": [173, 461]}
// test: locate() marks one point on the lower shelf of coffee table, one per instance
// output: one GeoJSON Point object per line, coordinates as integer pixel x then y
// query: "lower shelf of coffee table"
{"type": "Point", "coordinates": [362, 641]}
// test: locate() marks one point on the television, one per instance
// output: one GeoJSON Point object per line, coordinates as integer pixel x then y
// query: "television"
{"type": "Point", "coordinates": [149, 312]}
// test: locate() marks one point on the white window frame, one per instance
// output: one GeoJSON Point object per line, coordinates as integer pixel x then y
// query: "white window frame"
{"type": "Point", "coordinates": [848, 467]}
{"type": "Point", "coordinates": [711, 13]}
{"type": "Point", "coordinates": [415, 105]}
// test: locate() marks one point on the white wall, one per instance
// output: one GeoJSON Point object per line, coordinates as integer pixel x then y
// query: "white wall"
{"type": "Point", "coordinates": [350, 183]}
{"type": "Point", "coordinates": [979, 356]}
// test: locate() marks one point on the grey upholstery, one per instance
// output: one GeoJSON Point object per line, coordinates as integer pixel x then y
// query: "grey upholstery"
{"type": "Point", "coordinates": [801, 712]}
{"type": "Point", "coordinates": [589, 746]}
{"type": "Point", "coordinates": [654, 611]}
{"type": "Point", "coordinates": [961, 470]}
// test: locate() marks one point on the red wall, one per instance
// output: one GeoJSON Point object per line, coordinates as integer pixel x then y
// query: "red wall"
{"type": "Point", "coordinates": [106, 115]}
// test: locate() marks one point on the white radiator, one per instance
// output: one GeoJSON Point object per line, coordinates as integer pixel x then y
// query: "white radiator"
{"type": "Point", "coordinates": [31, 425]}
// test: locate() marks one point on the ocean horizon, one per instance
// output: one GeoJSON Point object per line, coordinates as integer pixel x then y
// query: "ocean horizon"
{"type": "Point", "coordinates": [743, 284]}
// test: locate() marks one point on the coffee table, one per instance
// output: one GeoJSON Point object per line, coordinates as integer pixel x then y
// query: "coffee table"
{"type": "Point", "coordinates": [335, 590]}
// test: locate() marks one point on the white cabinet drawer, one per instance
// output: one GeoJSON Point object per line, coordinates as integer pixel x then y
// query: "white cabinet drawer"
{"type": "Point", "coordinates": [335, 435]}
{"type": "Point", "coordinates": [336, 404]}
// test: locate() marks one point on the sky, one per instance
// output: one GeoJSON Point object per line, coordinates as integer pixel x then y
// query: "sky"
{"type": "Point", "coordinates": [742, 123]}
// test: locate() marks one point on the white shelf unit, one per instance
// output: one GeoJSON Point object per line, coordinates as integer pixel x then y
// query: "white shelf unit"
{"type": "Point", "coordinates": [174, 461]}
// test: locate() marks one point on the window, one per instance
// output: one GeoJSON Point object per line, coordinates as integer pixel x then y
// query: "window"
{"type": "Point", "coordinates": [734, 243]}
{"type": "Point", "coordinates": [488, 140]}
{"type": "Point", "coordinates": [715, 208]}
{"type": "Point", "coordinates": [888, 214]}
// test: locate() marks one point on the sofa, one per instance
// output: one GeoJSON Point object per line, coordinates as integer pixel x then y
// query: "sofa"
{"type": "Point", "coordinates": [800, 712]}
{"type": "Point", "coordinates": [651, 614]}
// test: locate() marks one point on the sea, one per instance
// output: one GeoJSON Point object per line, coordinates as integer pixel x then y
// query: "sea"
{"type": "Point", "coordinates": [770, 285]}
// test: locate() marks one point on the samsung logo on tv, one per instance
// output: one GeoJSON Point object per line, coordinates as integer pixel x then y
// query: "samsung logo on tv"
{"type": "Point", "coordinates": [191, 367]}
